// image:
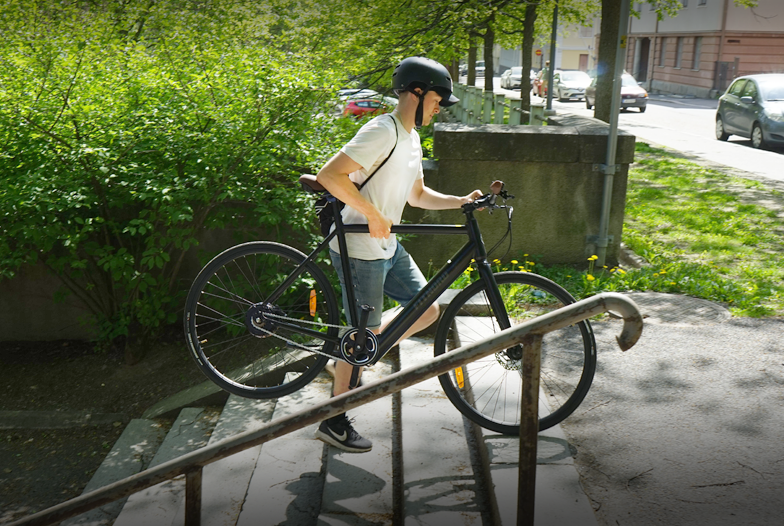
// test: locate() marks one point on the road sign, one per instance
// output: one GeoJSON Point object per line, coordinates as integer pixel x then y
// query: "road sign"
{"type": "Point", "coordinates": [538, 52]}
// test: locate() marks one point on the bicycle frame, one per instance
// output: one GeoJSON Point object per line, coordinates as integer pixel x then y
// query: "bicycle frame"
{"type": "Point", "coordinates": [454, 267]}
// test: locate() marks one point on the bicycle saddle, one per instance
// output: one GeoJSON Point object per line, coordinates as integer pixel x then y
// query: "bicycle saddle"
{"type": "Point", "coordinates": [310, 184]}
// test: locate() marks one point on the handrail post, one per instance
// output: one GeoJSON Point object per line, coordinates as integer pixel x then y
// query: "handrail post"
{"type": "Point", "coordinates": [487, 107]}
{"type": "Point", "coordinates": [515, 111]}
{"type": "Point", "coordinates": [193, 497]}
{"type": "Point", "coordinates": [498, 114]}
{"type": "Point", "coordinates": [529, 429]}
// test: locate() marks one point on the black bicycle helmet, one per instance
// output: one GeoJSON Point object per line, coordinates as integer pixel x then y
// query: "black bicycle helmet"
{"type": "Point", "coordinates": [426, 74]}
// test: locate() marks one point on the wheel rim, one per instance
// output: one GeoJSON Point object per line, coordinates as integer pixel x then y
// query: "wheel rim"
{"type": "Point", "coordinates": [756, 137]}
{"type": "Point", "coordinates": [271, 359]}
{"type": "Point", "coordinates": [719, 129]}
{"type": "Point", "coordinates": [488, 391]}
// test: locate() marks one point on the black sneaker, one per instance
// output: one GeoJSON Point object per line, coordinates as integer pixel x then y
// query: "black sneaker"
{"type": "Point", "coordinates": [342, 435]}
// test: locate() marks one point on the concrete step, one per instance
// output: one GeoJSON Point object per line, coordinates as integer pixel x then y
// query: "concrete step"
{"type": "Point", "coordinates": [560, 498]}
{"type": "Point", "coordinates": [132, 453]}
{"type": "Point", "coordinates": [359, 487]}
{"type": "Point", "coordinates": [160, 504]}
{"type": "Point", "coordinates": [288, 479]}
{"type": "Point", "coordinates": [225, 482]}
{"type": "Point", "coordinates": [439, 483]}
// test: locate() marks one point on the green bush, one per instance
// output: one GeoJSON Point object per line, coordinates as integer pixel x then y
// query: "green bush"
{"type": "Point", "coordinates": [121, 145]}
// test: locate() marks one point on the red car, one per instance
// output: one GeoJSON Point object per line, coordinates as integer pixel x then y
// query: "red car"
{"type": "Point", "coordinates": [361, 107]}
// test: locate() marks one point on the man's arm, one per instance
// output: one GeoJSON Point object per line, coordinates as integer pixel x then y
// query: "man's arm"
{"type": "Point", "coordinates": [423, 197]}
{"type": "Point", "coordinates": [334, 177]}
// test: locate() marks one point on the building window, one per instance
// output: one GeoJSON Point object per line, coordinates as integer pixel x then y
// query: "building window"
{"type": "Point", "coordinates": [685, 3]}
{"type": "Point", "coordinates": [678, 52]}
{"type": "Point", "coordinates": [662, 51]}
{"type": "Point", "coordinates": [702, 2]}
{"type": "Point", "coordinates": [653, 6]}
{"type": "Point", "coordinates": [586, 32]}
{"type": "Point", "coordinates": [697, 50]}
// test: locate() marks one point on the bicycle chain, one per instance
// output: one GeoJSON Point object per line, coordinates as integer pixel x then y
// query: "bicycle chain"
{"type": "Point", "coordinates": [293, 343]}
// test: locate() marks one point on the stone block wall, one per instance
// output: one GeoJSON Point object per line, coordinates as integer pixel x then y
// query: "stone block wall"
{"type": "Point", "coordinates": [553, 172]}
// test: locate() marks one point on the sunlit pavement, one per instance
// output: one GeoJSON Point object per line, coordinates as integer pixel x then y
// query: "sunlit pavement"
{"type": "Point", "coordinates": [683, 124]}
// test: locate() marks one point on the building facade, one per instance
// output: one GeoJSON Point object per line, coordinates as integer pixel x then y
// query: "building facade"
{"type": "Point", "coordinates": [574, 49]}
{"type": "Point", "coordinates": [708, 44]}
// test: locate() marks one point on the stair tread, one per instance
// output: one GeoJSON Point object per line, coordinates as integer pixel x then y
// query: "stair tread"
{"type": "Point", "coordinates": [131, 453]}
{"type": "Point", "coordinates": [358, 487]}
{"type": "Point", "coordinates": [225, 482]}
{"type": "Point", "coordinates": [439, 480]}
{"type": "Point", "coordinates": [159, 504]}
{"type": "Point", "coordinates": [287, 481]}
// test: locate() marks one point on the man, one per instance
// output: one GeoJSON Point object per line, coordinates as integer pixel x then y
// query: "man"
{"type": "Point", "coordinates": [379, 264]}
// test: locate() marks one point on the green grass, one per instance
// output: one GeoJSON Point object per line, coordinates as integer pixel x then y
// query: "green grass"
{"type": "Point", "coordinates": [704, 233]}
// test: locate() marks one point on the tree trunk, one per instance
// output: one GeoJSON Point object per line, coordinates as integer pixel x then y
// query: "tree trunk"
{"type": "Point", "coordinates": [471, 78]}
{"type": "Point", "coordinates": [528, 46]}
{"type": "Point", "coordinates": [608, 46]}
{"type": "Point", "coordinates": [489, 66]}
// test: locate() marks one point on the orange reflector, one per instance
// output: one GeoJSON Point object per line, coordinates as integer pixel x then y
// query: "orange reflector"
{"type": "Point", "coordinates": [459, 377]}
{"type": "Point", "coordinates": [313, 303]}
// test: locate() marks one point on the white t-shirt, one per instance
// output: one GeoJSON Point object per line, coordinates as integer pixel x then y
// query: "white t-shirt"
{"type": "Point", "coordinates": [388, 189]}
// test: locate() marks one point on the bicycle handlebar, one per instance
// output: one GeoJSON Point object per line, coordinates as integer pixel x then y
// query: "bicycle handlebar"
{"type": "Point", "coordinates": [488, 200]}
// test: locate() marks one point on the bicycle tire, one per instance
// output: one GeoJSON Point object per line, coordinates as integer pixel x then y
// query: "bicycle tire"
{"type": "Point", "coordinates": [489, 392]}
{"type": "Point", "coordinates": [219, 334]}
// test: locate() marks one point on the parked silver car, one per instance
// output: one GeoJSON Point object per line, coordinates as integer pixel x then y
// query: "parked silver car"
{"type": "Point", "coordinates": [512, 78]}
{"type": "Point", "coordinates": [570, 84]}
{"type": "Point", "coordinates": [753, 107]}
{"type": "Point", "coordinates": [632, 94]}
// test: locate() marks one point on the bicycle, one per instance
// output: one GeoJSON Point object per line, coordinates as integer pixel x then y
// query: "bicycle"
{"type": "Point", "coordinates": [262, 320]}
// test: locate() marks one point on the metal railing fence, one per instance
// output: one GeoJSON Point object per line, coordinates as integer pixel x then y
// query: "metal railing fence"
{"type": "Point", "coordinates": [529, 334]}
{"type": "Point", "coordinates": [480, 107]}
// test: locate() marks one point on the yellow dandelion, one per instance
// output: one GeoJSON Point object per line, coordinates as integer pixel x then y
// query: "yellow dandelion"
{"type": "Point", "coordinates": [662, 271]}
{"type": "Point", "coordinates": [514, 262]}
{"type": "Point", "coordinates": [497, 261]}
{"type": "Point", "coordinates": [590, 278]}
{"type": "Point", "coordinates": [621, 271]}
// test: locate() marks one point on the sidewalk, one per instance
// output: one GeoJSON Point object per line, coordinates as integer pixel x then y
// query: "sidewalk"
{"type": "Point", "coordinates": [685, 428]}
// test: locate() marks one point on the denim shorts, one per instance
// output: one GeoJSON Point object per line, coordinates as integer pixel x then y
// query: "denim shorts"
{"type": "Point", "coordinates": [398, 277]}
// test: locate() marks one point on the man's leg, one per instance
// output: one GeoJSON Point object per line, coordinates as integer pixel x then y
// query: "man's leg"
{"type": "Point", "coordinates": [404, 281]}
{"type": "Point", "coordinates": [367, 277]}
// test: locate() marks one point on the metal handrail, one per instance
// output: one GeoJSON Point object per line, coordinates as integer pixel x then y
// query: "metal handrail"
{"type": "Point", "coordinates": [192, 463]}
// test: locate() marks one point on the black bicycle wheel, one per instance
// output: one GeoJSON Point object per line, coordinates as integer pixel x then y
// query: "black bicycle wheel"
{"type": "Point", "coordinates": [248, 342]}
{"type": "Point", "coordinates": [488, 391]}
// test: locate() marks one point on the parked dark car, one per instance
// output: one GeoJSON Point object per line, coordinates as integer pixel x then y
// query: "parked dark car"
{"type": "Point", "coordinates": [512, 78]}
{"type": "Point", "coordinates": [479, 69]}
{"type": "Point", "coordinates": [753, 107]}
{"type": "Point", "coordinates": [632, 94]}
{"type": "Point", "coordinates": [570, 84]}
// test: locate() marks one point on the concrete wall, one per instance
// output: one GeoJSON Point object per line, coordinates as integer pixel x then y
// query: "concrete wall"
{"type": "Point", "coordinates": [29, 312]}
{"type": "Point", "coordinates": [550, 170]}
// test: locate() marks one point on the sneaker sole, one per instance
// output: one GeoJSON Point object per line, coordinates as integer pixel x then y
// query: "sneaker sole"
{"type": "Point", "coordinates": [331, 441]}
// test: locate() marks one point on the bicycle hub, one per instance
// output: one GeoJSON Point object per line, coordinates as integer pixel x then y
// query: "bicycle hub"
{"type": "Point", "coordinates": [257, 320]}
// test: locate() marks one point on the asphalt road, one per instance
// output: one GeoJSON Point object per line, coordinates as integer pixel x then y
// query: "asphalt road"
{"type": "Point", "coordinates": [686, 125]}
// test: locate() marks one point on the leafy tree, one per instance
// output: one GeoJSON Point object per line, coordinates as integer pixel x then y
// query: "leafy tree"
{"type": "Point", "coordinates": [128, 130]}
